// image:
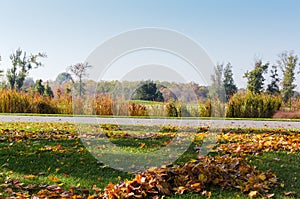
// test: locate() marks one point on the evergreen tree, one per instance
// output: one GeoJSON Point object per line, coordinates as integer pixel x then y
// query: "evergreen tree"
{"type": "Point", "coordinates": [273, 87]}
{"type": "Point", "coordinates": [228, 82]}
{"type": "Point", "coordinates": [48, 91]}
{"type": "Point", "coordinates": [39, 87]}
{"type": "Point", "coordinates": [255, 77]}
{"type": "Point", "coordinates": [148, 91]}
{"type": "Point", "coordinates": [287, 62]}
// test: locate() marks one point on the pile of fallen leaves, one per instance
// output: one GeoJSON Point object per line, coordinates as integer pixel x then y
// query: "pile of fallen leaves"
{"type": "Point", "coordinates": [197, 176]}
{"type": "Point", "coordinates": [12, 135]}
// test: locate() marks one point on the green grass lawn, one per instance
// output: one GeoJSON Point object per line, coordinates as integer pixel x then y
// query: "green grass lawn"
{"type": "Point", "coordinates": [36, 155]}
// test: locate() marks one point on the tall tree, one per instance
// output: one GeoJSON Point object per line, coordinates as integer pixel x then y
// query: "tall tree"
{"type": "Point", "coordinates": [273, 87]}
{"type": "Point", "coordinates": [217, 87]}
{"type": "Point", "coordinates": [287, 62]}
{"type": "Point", "coordinates": [256, 78]}
{"type": "Point", "coordinates": [79, 71]}
{"type": "Point", "coordinates": [21, 65]}
{"type": "Point", "coordinates": [228, 82]}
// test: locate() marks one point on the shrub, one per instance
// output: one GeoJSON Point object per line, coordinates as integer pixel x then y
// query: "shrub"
{"type": "Point", "coordinates": [205, 108]}
{"type": "Point", "coordinates": [103, 105]}
{"type": "Point", "coordinates": [14, 102]}
{"type": "Point", "coordinates": [136, 109]}
{"type": "Point", "coordinates": [171, 110]}
{"type": "Point", "coordinates": [250, 105]}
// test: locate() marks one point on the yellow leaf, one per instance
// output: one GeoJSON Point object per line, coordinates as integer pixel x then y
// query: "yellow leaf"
{"type": "Point", "coordinates": [202, 178]}
{"type": "Point", "coordinates": [262, 177]}
{"type": "Point", "coordinates": [253, 194]}
{"type": "Point", "coordinates": [29, 176]}
{"type": "Point", "coordinates": [196, 185]}
{"type": "Point", "coordinates": [142, 145]}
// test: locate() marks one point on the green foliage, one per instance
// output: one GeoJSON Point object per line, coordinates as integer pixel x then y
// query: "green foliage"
{"type": "Point", "coordinates": [217, 88]}
{"type": "Point", "coordinates": [273, 87]}
{"type": "Point", "coordinates": [228, 82]}
{"type": "Point", "coordinates": [148, 91]}
{"type": "Point", "coordinates": [48, 91]}
{"type": "Point", "coordinates": [21, 65]}
{"type": "Point", "coordinates": [287, 62]}
{"type": "Point", "coordinates": [255, 77]}
{"type": "Point", "coordinates": [46, 160]}
{"type": "Point", "coordinates": [251, 105]}
{"type": "Point", "coordinates": [39, 87]}
{"type": "Point", "coordinates": [63, 77]}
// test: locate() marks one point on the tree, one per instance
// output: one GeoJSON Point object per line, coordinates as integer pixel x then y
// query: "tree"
{"type": "Point", "coordinates": [148, 91]}
{"type": "Point", "coordinates": [217, 87]}
{"type": "Point", "coordinates": [28, 83]}
{"type": "Point", "coordinates": [1, 71]}
{"type": "Point", "coordinates": [21, 65]}
{"type": "Point", "coordinates": [273, 87]}
{"type": "Point", "coordinates": [63, 77]}
{"type": "Point", "coordinates": [39, 87]}
{"type": "Point", "coordinates": [48, 91]}
{"type": "Point", "coordinates": [79, 71]}
{"type": "Point", "coordinates": [228, 82]}
{"type": "Point", "coordinates": [255, 77]}
{"type": "Point", "coordinates": [287, 62]}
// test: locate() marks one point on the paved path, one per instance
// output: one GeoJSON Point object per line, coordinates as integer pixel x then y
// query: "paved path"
{"type": "Point", "coordinates": [177, 122]}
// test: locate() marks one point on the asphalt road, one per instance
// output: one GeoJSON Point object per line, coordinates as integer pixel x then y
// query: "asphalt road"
{"type": "Point", "coordinates": [152, 121]}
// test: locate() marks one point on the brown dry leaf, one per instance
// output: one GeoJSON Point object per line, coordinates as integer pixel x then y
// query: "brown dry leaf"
{"type": "Point", "coordinates": [289, 193]}
{"type": "Point", "coordinates": [270, 195]}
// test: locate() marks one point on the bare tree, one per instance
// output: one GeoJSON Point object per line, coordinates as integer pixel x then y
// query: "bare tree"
{"type": "Point", "coordinates": [79, 71]}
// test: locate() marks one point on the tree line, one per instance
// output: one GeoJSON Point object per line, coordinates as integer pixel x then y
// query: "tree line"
{"type": "Point", "coordinates": [22, 64]}
{"type": "Point", "coordinates": [223, 85]}
{"type": "Point", "coordinates": [224, 88]}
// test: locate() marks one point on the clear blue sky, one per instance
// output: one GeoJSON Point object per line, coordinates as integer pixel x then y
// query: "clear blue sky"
{"type": "Point", "coordinates": [69, 30]}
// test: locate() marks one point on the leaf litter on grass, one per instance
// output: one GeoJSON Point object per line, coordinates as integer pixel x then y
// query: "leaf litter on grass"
{"type": "Point", "coordinates": [228, 171]}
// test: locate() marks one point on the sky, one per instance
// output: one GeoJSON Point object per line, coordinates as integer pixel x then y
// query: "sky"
{"type": "Point", "coordinates": [68, 31]}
